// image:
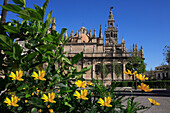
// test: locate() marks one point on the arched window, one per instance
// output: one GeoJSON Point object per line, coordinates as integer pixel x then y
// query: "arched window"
{"type": "Point", "coordinates": [111, 34]}
{"type": "Point", "coordinates": [111, 25]}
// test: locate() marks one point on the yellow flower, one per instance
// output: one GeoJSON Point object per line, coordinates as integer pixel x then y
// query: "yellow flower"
{"type": "Point", "coordinates": [48, 106]}
{"type": "Point", "coordinates": [37, 92]}
{"type": "Point", "coordinates": [105, 102]}
{"type": "Point", "coordinates": [40, 111]}
{"type": "Point", "coordinates": [23, 88]}
{"type": "Point", "coordinates": [140, 77]}
{"type": "Point", "coordinates": [92, 94]}
{"type": "Point", "coordinates": [80, 83]}
{"type": "Point", "coordinates": [50, 97]}
{"type": "Point", "coordinates": [58, 91]}
{"type": "Point", "coordinates": [40, 76]}
{"type": "Point", "coordinates": [51, 110]}
{"type": "Point", "coordinates": [82, 95]}
{"type": "Point", "coordinates": [144, 87]}
{"type": "Point", "coordinates": [153, 102]}
{"type": "Point", "coordinates": [32, 94]}
{"type": "Point", "coordinates": [128, 72]}
{"type": "Point", "coordinates": [90, 83]}
{"type": "Point", "coordinates": [18, 75]}
{"type": "Point", "coordinates": [12, 102]}
{"type": "Point", "coordinates": [26, 101]}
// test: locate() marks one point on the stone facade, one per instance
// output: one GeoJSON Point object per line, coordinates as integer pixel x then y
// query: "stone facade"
{"type": "Point", "coordinates": [97, 52]}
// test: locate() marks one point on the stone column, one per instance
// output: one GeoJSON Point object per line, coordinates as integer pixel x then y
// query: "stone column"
{"type": "Point", "coordinates": [92, 68]}
{"type": "Point", "coordinates": [82, 61]}
{"type": "Point", "coordinates": [124, 68]}
{"type": "Point", "coordinates": [112, 71]}
{"type": "Point", "coordinates": [70, 48]}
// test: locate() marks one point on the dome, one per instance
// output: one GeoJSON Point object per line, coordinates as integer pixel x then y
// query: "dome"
{"type": "Point", "coordinates": [84, 38]}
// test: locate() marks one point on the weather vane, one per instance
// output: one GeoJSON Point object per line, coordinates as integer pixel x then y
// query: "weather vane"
{"type": "Point", "coordinates": [111, 8]}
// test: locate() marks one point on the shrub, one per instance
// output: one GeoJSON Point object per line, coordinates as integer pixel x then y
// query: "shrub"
{"type": "Point", "coordinates": [59, 87]}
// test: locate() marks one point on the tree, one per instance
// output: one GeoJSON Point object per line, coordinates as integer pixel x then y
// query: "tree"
{"type": "Point", "coordinates": [117, 69]}
{"type": "Point", "coordinates": [103, 70]}
{"type": "Point", "coordinates": [135, 62]}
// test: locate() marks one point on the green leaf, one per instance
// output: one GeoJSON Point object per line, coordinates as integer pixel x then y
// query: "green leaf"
{"type": "Point", "coordinates": [6, 42]}
{"type": "Point", "coordinates": [67, 104]}
{"type": "Point", "coordinates": [19, 108]}
{"type": "Point", "coordinates": [33, 110]}
{"type": "Point", "coordinates": [29, 13]}
{"type": "Point", "coordinates": [67, 91]}
{"type": "Point", "coordinates": [11, 7]}
{"type": "Point", "coordinates": [77, 58]}
{"type": "Point", "coordinates": [44, 7]}
{"type": "Point", "coordinates": [17, 50]}
{"type": "Point", "coordinates": [47, 23]}
{"type": "Point", "coordinates": [39, 10]}
{"type": "Point", "coordinates": [20, 2]}
{"type": "Point", "coordinates": [27, 95]}
{"type": "Point", "coordinates": [66, 60]}
{"type": "Point", "coordinates": [49, 16]}
{"type": "Point", "coordinates": [31, 56]}
{"type": "Point", "coordinates": [61, 36]}
{"type": "Point", "coordinates": [86, 69]}
{"type": "Point", "coordinates": [11, 29]}
{"type": "Point", "coordinates": [22, 86]}
{"type": "Point", "coordinates": [36, 101]}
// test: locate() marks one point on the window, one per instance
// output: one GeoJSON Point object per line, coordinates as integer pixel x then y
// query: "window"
{"type": "Point", "coordinates": [111, 34]}
{"type": "Point", "coordinates": [111, 25]}
{"type": "Point", "coordinates": [163, 76]}
{"type": "Point", "coordinates": [107, 35]}
{"type": "Point", "coordinates": [159, 76]}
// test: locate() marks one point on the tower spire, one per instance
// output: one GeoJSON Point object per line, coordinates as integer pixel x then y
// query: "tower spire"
{"type": "Point", "coordinates": [111, 20]}
{"type": "Point", "coordinates": [54, 24]}
{"type": "Point", "coordinates": [136, 48]}
{"type": "Point", "coordinates": [90, 34]}
{"type": "Point", "coordinates": [142, 56]}
{"type": "Point", "coordinates": [94, 33]}
{"type": "Point", "coordinates": [123, 40]}
{"type": "Point", "coordinates": [100, 33]}
{"type": "Point", "coordinates": [133, 48]}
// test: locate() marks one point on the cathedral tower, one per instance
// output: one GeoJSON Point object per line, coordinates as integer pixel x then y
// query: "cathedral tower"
{"type": "Point", "coordinates": [111, 34]}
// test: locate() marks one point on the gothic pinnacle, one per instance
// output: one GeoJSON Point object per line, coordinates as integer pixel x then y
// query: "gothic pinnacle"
{"type": "Point", "coordinates": [90, 34]}
{"type": "Point", "coordinates": [100, 33]}
{"type": "Point", "coordinates": [133, 48]}
{"type": "Point", "coordinates": [94, 33]}
{"type": "Point", "coordinates": [123, 40]}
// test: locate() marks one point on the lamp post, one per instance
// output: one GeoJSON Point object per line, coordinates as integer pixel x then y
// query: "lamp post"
{"type": "Point", "coordinates": [135, 69]}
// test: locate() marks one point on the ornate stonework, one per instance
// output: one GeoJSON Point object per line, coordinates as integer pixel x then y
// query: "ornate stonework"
{"type": "Point", "coordinates": [96, 52]}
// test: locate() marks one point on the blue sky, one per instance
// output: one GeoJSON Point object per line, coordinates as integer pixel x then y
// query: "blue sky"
{"type": "Point", "coordinates": [142, 22]}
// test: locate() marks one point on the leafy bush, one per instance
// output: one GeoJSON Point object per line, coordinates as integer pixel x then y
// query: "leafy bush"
{"type": "Point", "coordinates": [59, 87]}
{"type": "Point", "coordinates": [153, 84]}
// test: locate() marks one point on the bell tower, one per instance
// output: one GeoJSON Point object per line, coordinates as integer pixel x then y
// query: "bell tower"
{"type": "Point", "coordinates": [111, 33]}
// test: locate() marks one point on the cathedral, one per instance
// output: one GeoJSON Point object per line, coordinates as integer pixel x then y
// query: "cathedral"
{"type": "Point", "coordinates": [96, 52]}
